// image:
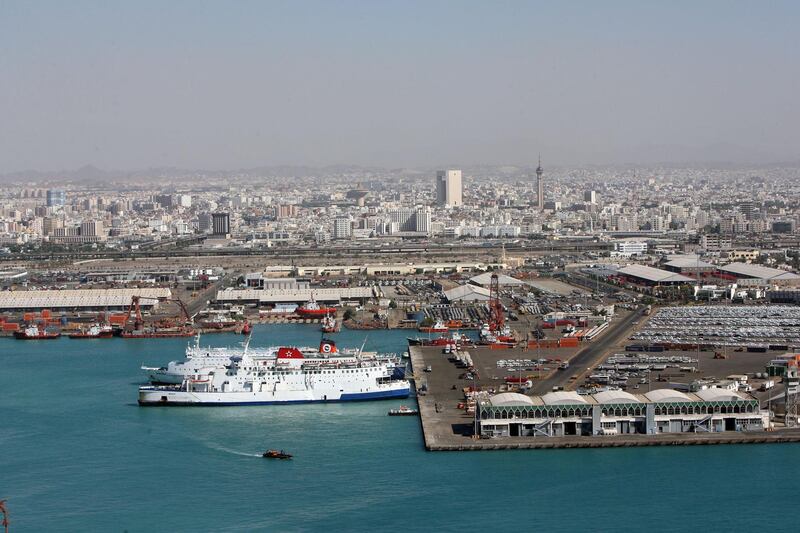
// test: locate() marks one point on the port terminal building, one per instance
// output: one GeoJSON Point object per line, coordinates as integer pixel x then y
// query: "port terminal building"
{"type": "Point", "coordinates": [565, 413]}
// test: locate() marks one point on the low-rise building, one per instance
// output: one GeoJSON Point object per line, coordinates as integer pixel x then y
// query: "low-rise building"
{"type": "Point", "coordinates": [565, 413]}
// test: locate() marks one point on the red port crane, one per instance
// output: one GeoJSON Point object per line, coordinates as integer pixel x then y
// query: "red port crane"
{"type": "Point", "coordinates": [135, 309]}
{"type": "Point", "coordinates": [496, 319]}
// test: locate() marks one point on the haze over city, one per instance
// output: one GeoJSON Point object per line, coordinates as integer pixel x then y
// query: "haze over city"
{"type": "Point", "coordinates": [213, 85]}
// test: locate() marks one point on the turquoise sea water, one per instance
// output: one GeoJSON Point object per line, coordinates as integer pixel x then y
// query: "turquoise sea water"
{"type": "Point", "coordinates": [78, 454]}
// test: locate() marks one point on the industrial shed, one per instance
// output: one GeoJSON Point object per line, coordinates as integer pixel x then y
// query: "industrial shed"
{"type": "Point", "coordinates": [652, 276]}
{"type": "Point", "coordinates": [689, 265]}
{"type": "Point", "coordinates": [485, 279]}
{"type": "Point", "coordinates": [747, 274]}
{"type": "Point", "coordinates": [467, 293]}
{"type": "Point", "coordinates": [80, 299]}
{"type": "Point", "coordinates": [298, 296]}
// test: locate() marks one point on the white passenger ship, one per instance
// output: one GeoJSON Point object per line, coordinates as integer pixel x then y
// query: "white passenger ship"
{"type": "Point", "coordinates": [200, 360]}
{"type": "Point", "coordinates": [290, 376]}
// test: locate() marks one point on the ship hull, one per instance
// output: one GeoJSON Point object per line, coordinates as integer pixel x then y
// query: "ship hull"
{"type": "Point", "coordinates": [103, 335]}
{"type": "Point", "coordinates": [43, 337]}
{"type": "Point", "coordinates": [317, 313]}
{"type": "Point", "coordinates": [162, 397]}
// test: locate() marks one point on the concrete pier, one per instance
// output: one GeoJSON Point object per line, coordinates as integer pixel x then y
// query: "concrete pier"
{"type": "Point", "coordinates": [447, 428]}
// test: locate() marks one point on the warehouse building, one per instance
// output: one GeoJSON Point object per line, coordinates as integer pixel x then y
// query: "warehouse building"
{"type": "Point", "coordinates": [80, 299]}
{"type": "Point", "coordinates": [485, 280]}
{"type": "Point", "coordinates": [565, 413]}
{"type": "Point", "coordinates": [299, 295]}
{"type": "Point", "coordinates": [748, 274]}
{"type": "Point", "coordinates": [467, 293]}
{"type": "Point", "coordinates": [689, 266]}
{"type": "Point", "coordinates": [646, 275]}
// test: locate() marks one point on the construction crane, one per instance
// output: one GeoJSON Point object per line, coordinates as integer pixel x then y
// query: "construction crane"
{"type": "Point", "coordinates": [135, 309]}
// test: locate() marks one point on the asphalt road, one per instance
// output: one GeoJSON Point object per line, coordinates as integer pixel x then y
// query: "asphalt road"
{"type": "Point", "coordinates": [590, 355]}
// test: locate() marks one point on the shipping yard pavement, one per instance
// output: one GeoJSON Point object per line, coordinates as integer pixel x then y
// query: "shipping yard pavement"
{"type": "Point", "coordinates": [446, 427]}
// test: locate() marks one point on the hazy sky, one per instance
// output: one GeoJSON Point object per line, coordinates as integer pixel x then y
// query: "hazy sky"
{"type": "Point", "coordinates": [237, 84]}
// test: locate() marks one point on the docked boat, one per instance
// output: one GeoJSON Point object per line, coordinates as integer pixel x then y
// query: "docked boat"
{"type": "Point", "coordinates": [95, 331]}
{"type": "Point", "coordinates": [403, 410]}
{"type": "Point", "coordinates": [438, 327]}
{"type": "Point", "coordinates": [497, 338]}
{"type": "Point", "coordinates": [329, 324]}
{"type": "Point", "coordinates": [35, 333]}
{"type": "Point", "coordinates": [218, 322]}
{"type": "Point", "coordinates": [290, 376]}
{"type": "Point", "coordinates": [276, 454]}
{"type": "Point", "coordinates": [314, 310]}
{"type": "Point", "coordinates": [201, 359]}
{"type": "Point", "coordinates": [454, 339]}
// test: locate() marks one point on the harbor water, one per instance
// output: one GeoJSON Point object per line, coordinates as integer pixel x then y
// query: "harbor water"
{"type": "Point", "coordinates": [78, 454]}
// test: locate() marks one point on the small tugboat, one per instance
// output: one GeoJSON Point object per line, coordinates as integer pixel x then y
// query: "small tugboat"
{"type": "Point", "coordinates": [246, 328]}
{"type": "Point", "coordinates": [329, 324]}
{"type": "Point", "coordinates": [403, 411]}
{"type": "Point", "coordinates": [34, 333]}
{"type": "Point", "coordinates": [313, 309]}
{"type": "Point", "coordinates": [275, 454]}
{"type": "Point", "coordinates": [95, 331]}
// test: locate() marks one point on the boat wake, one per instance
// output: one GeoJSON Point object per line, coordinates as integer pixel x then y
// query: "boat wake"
{"type": "Point", "coordinates": [234, 452]}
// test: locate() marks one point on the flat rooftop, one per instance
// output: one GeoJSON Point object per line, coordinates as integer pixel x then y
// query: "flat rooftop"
{"type": "Point", "coordinates": [76, 298]}
{"type": "Point", "coordinates": [655, 275]}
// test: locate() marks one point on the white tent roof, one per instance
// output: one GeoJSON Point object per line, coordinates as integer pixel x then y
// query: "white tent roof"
{"type": "Point", "coordinates": [511, 398]}
{"type": "Point", "coordinates": [615, 396]}
{"type": "Point", "coordinates": [667, 395]}
{"type": "Point", "coordinates": [719, 395]}
{"type": "Point", "coordinates": [563, 398]}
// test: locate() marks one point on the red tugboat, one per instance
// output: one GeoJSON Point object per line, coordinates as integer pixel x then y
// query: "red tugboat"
{"type": "Point", "coordinates": [35, 333]}
{"type": "Point", "coordinates": [95, 331]}
{"type": "Point", "coordinates": [313, 309]}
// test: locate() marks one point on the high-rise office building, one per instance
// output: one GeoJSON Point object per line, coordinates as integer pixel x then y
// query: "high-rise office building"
{"type": "Point", "coordinates": [422, 220]}
{"type": "Point", "coordinates": [56, 197]}
{"type": "Point", "coordinates": [204, 222]}
{"type": "Point", "coordinates": [342, 228]}
{"type": "Point", "coordinates": [449, 188]}
{"type": "Point", "coordinates": [747, 209]}
{"type": "Point", "coordinates": [590, 196]}
{"type": "Point", "coordinates": [540, 186]}
{"type": "Point", "coordinates": [221, 223]}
